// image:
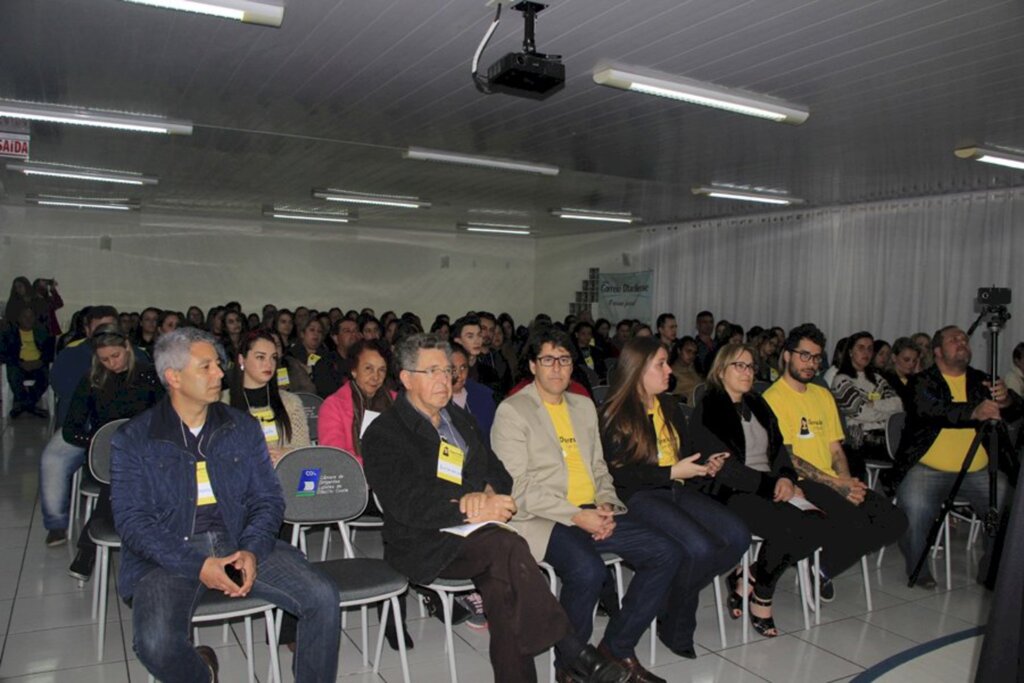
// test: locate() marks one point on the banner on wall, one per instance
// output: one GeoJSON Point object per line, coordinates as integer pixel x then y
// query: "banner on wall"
{"type": "Point", "coordinates": [625, 295]}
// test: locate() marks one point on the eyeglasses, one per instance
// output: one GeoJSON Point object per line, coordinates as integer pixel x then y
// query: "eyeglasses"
{"type": "Point", "coordinates": [808, 357]}
{"type": "Point", "coordinates": [740, 366]}
{"type": "Point", "coordinates": [434, 371]}
{"type": "Point", "coordinates": [549, 361]}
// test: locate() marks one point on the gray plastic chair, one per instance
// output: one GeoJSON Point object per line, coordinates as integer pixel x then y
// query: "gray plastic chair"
{"type": "Point", "coordinates": [326, 486]}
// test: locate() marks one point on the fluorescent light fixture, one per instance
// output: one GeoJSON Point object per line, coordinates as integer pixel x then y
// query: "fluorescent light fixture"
{"type": "Point", "coordinates": [496, 228]}
{"type": "Point", "coordinates": [109, 203]}
{"type": "Point", "coordinates": [726, 192]}
{"type": "Point", "coordinates": [474, 160]}
{"type": "Point", "coordinates": [993, 155]}
{"type": "Point", "coordinates": [603, 216]}
{"type": "Point", "coordinates": [98, 118]}
{"type": "Point", "coordinates": [264, 12]}
{"type": "Point", "coordinates": [39, 168]}
{"type": "Point", "coordinates": [661, 84]}
{"type": "Point", "coordinates": [301, 215]}
{"type": "Point", "coordinates": [398, 201]}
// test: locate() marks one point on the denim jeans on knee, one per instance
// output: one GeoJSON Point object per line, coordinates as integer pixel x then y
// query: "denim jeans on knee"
{"type": "Point", "coordinates": [57, 466]}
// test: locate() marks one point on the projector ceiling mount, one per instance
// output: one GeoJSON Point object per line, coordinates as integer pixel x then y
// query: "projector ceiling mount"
{"type": "Point", "coordinates": [523, 74]}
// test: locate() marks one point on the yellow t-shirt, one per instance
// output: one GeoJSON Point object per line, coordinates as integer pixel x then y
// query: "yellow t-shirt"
{"type": "Point", "coordinates": [29, 351]}
{"type": "Point", "coordinates": [668, 442]}
{"type": "Point", "coordinates": [580, 487]}
{"type": "Point", "coordinates": [809, 422]}
{"type": "Point", "coordinates": [951, 445]}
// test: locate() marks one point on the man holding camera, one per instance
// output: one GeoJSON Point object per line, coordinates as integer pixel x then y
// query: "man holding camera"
{"type": "Point", "coordinates": [951, 402]}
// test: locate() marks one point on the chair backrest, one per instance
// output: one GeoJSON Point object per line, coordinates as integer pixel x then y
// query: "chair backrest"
{"type": "Point", "coordinates": [311, 406]}
{"type": "Point", "coordinates": [600, 393]}
{"type": "Point", "coordinates": [99, 450]}
{"type": "Point", "coordinates": [893, 432]}
{"type": "Point", "coordinates": [321, 485]}
{"type": "Point", "coordinates": [698, 394]}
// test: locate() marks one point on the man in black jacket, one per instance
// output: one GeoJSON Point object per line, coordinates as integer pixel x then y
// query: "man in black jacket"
{"type": "Point", "coordinates": [427, 461]}
{"type": "Point", "coordinates": [951, 401]}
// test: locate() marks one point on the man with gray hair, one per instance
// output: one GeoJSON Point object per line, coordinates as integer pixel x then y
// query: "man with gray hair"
{"type": "Point", "coordinates": [198, 507]}
{"type": "Point", "coordinates": [433, 471]}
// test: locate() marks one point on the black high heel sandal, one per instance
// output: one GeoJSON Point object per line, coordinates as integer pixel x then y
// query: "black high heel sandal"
{"type": "Point", "coordinates": [763, 625]}
{"type": "Point", "coordinates": [735, 600]}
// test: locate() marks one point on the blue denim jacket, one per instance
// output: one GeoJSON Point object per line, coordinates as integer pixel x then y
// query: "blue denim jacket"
{"type": "Point", "coordinates": [153, 490]}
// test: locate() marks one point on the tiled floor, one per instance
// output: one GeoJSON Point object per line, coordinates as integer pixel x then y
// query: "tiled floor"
{"type": "Point", "coordinates": [48, 634]}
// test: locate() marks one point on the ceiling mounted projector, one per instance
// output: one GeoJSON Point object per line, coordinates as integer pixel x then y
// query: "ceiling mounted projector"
{"type": "Point", "coordinates": [523, 74]}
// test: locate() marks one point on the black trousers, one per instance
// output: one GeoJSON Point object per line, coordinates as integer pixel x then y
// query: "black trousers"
{"type": "Point", "coordinates": [523, 616]}
{"type": "Point", "coordinates": [854, 530]}
{"type": "Point", "coordinates": [789, 536]}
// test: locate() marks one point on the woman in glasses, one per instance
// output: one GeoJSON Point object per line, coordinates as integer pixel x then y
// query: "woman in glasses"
{"type": "Point", "coordinates": [252, 388]}
{"type": "Point", "coordinates": [649, 454]}
{"type": "Point", "coordinates": [757, 481]}
{"type": "Point", "coordinates": [118, 385]}
{"type": "Point", "coordinates": [346, 413]}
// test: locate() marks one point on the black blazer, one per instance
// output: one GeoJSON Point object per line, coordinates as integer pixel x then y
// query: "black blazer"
{"type": "Point", "coordinates": [400, 461]}
{"type": "Point", "coordinates": [633, 477]}
{"type": "Point", "coordinates": [716, 427]}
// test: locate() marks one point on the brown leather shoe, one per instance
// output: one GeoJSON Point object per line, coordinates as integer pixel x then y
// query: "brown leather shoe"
{"type": "Point", "coordinates": [207, 654]}
{"type": "Point", "coordinates": [638, 674]}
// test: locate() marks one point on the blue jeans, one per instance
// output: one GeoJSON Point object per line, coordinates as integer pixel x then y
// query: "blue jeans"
{"type": "Point", "coordinates": [576, 557]}
{"type": "Point", "coordinates": [57, 466]}
{"type": "Point", "coordinates": [921, 493]}
{"type": "Point", "coordinates": [712, 539]}
{"type": "Point", "coordinates": [163, 604]}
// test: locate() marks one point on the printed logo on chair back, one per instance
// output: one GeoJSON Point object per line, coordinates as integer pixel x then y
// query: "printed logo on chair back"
{"type": "Point", "coordinates": [321, 484]}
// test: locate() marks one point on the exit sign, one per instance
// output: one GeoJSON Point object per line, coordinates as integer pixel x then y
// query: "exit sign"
{"type": "Point", "coordinates": [14, 145]}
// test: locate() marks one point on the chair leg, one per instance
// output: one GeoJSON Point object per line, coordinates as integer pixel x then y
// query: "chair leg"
{"type": "Point", "coordinates": [654, 640]}
{"type": "Point", "coordinates": [101, 608]}
{"type": "Point", "coordinates": [817, 586]}
{"type": "Point", "coordinates": [446, 604]}
{"type": "Point", "coordinates": [802, 573]}
{"type": "Point", "coordinates": [746, 595]}
{"type": "Point", "coordinates": [881, 554]}
{"type": "Point", "coordinates": [717, 583]}
{"type": "Point", "coordinates": [396, 615]}
{"type": "Point", "coordinates": [326, 545]}
{"type": "Point", "coordinates": [381, 627]}
{"type": "Point", "coordinates": [949, 567]}
{"type": "Point", "coordinates": [250, 652]}
{"type": "Point", "coordinates": [364, 612]}
{"type": "Point", "coordinates": [76, 485]}
{"type": "Point", "coordinates": [867, 581]}
{"type": "Point", "coordinates": [225, 630]}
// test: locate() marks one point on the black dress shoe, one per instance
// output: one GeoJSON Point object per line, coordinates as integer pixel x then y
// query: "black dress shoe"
{"type": "Point", "coordinates": [593, 667]}
{"type": "Point", "coordinates": [83, 564]}
{"type": "Point", "coordinates": [638, 674]}
{"type": "Point", "coordinates": [389, 635]}
{"type": "Point", "coordinates": [56, 537]}
{"type": "Point", "coordinates": [207, 654]}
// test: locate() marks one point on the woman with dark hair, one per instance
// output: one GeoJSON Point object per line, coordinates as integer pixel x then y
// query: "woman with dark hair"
{"type": "Point", "coordinates": [76, 330]}
{"type": "Point", "coordinates": [508, 325]}
{"type": "Point", "coordinates": [906, 362]}
{"type": "Point", "coordinates": [234, 330]}
{"type": "Point", "coordinates": [23, 296]}
{"type": "Point", "coordinates": [118, 385]}
{"type": "Point", "coordinates": [645, 442]}
{"type": "Point", "coordinates": [284, 325]}
{"type": "Point", "coordinates": [343, 413]}
{"type": "Point", "coordinates": [882, 359]}
{"type": "Point", "coordinates": [866, 400]}
{"type": "Point", "coordinates": [168, 322]}
{"type": "Point", "coordinates": [767, 347]}
{"type": "Point", "coordinates": [215, 321]}
{"type": "Point", "coordinates": [370, 328]}
{"type": "Point", "coordinates": [308, 348]}
{"type": "Point", "coordinates": [194, 317]}
{"type": "Point", "coordinates": [441, 328]}
{"type": "Point", "coordinates": [146, 333]}
{"type": "Point", "coordinates": [252, 387]}
{"type": "Point", "coordinates": [756, 482]}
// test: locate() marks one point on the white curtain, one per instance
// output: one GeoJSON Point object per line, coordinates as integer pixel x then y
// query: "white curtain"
{"type": "Point", "coordinates": [892, 268]}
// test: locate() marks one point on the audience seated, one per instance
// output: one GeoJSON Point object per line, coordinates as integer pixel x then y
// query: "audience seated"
{"type": "Point", "coordinates": [491, 354]}
{"type": "Point", "coordinates": [589, 358]}
{"type": "Point", "coordinates": [866, 400]}
{"type": "Point", "coordinates": [810, 426]}
{"type": "Point", "coordinates": [668, 329]}
{"type": "Point", "coordinates": [882, 358]}
{"type": "Point", "coordinates": [951, 401]}
{"type": "Point", "coordinates": [284, 324]}
{"type": "Point", "coordinates": [26, 348]}
{"type": "Point", "coordinates": [308, 349]}
{"type": "Point", "coordinates": [331, 371]}
{"type": "Point", "coordinates": [683, 362]}
{"type": "Point", "coordinates": [905, 361]}
{"type": "Point", "coordinates": [473, 397]}
{"type": "Point", "coordinates": [346, 413]}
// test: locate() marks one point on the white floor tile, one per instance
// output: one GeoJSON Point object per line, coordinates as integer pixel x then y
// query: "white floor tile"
{"type": "Point", "coordinates": [857, 641]}
{"type": "Point", "coordinates": [57, 611]}
{"type": "Point", "coordinates": [113, 672]}
{"type": "Point", "coordinates": [789, 659]}
{"type": "Point", "coordinates": [916, 622]}
{"type": "Point", "coordinates": [704, 669]}
{"type": "Point", "coordinates": [59, 648]}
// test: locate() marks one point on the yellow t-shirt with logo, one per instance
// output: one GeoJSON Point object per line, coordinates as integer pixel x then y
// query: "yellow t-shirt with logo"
{"type": "Point", "coordinates": [580, 488]}
{"type": "Point", "coordinates": [809, 422]}
{"type": "Point", "coordinates": [947, 452]}
{"type": "Point", "coordinates": [668, 441]}
{"type": "Point", "coordinates": [29, 351]}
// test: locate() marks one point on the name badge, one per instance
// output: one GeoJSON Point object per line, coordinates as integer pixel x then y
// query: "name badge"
{"type": "Point", "coordinates": [589, 360]}
{"type": "Point", "coordinates": [204, 491]}
{"type": "Point", "coordinates": [312, 359]}
{"type": "Point", "coordinates": [282, 378]}
{"type": "Point", "coordinates": [874, 396]}
{"type": "Point", "coordinates": [450, 459]}
{"type": "Point", "coordinates": [267, 423]}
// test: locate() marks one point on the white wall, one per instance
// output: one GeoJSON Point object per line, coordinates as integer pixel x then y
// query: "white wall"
{"type": "Point", "coordinates": [174, 261]}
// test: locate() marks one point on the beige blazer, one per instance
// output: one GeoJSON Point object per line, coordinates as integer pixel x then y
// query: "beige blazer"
{"type": "Point", "coordinates": [524, 439]}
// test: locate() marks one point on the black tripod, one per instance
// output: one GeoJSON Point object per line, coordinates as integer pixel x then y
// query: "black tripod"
{"type": "Point", "coordinates": [996, 438]}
